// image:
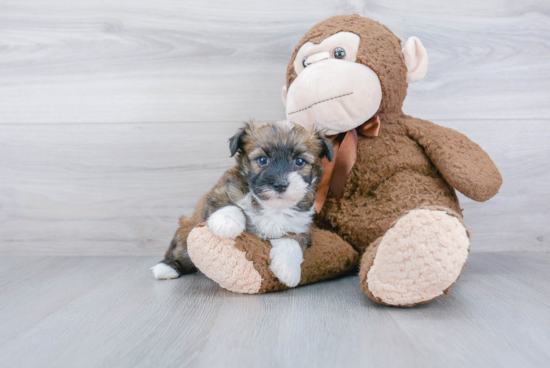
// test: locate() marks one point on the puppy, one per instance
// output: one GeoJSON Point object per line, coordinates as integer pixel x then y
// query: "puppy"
{"type": "Point", "coordinates": [270, 193]}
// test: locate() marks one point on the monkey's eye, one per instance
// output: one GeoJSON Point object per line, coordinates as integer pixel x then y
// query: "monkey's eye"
{"type": "Point", "coordinates": [304, 62]}
{"type": "Point", "coordinates": [263, 161]}
{"type": "Point", "coordinates": [299, 162]}
{"type": "Point", "coordinates": [339, 53]}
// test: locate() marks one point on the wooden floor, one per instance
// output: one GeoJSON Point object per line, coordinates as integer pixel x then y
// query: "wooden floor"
{"type": "Point", "coordinates": [110, 312]}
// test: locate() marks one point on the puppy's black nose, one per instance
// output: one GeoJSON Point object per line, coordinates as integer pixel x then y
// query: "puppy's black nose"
{"type": "Point", "coordinates": [280, 186]}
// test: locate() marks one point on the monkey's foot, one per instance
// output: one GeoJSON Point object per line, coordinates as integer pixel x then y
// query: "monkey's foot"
{"type": "Point", "coordinates": [417, 260]}
{"type": "Point", "coordinates": [243, 265]}
{"type": "Point", "coordinates": [222, 262]}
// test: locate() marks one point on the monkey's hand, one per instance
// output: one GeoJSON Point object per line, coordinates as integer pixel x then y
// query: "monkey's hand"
{"type": "Point", "coordinates": [462, 162]}
{"type": "Point", "coordinates": [227, 222]}
{"type": "Point", "coordinates": [286, 260]}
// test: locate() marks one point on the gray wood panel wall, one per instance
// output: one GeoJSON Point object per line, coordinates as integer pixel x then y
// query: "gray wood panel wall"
{"type": "Point", "coordinates": [114, 115]}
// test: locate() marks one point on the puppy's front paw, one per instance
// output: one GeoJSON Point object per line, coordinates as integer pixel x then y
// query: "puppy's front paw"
{"type": "Point", "coordinates": [286, 259]}
{"type": "Point", "coordinates": [227, 222]}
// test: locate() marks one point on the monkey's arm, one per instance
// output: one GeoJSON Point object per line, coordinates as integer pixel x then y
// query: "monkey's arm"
{"type": "Point", "coordinates": [462, 162]}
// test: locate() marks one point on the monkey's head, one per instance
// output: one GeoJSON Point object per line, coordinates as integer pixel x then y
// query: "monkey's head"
{"type": "Point", "coordinates": [347, 69]}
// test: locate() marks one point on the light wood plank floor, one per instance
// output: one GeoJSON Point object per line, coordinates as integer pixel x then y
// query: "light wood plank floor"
{"type": "Point", "coordinates": [110, 312]}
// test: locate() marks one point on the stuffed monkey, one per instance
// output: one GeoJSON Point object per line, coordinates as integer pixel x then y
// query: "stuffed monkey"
{"type": "Point", "coordinates": [387, 204]}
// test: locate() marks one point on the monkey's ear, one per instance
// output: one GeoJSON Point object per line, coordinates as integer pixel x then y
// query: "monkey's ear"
{"type": "Point", "coordinates": [283, 95]}
{"type": "Point", "coordinates": [416, 59]}
{"type": "Point", "coordinates": [327, 149]}
{"type": "Point", "coordinates": [236, 142]}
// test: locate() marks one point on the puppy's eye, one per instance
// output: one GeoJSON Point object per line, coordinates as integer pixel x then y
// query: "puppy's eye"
{"type": "Point", "coordinates": [339, 53]}
{"type": "Point", "coordinates": [299, 162]}
{"type": "Point", "coordinates": [304, 62]}
{"type": "Point", "coordinates": [263, 161]}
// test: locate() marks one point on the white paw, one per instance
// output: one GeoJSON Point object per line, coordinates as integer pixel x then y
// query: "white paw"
{"type": "Point", "coordinates": [286, 259]}
{"type": "Point", "coordinates": [164, 272]}
{"type": "Point", "coordinates": [227, 222]}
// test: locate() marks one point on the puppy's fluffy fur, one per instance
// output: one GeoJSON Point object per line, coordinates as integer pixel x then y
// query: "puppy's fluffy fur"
{"type": "Point", "coordinates": [270, 193]}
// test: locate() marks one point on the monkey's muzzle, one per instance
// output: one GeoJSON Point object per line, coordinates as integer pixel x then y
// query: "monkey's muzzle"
{"type": "Point", "coordinates": [336, 95]}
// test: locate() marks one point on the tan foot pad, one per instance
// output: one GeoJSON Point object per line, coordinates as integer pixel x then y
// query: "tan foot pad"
{"type": "Point", "coordinates": [221, 262]}
{"type": "Point", "coordinates": [419, 258]}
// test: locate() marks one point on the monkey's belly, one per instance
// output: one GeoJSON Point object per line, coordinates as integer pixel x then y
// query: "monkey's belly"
{"type": "Point", "coordinates": [361, 219]}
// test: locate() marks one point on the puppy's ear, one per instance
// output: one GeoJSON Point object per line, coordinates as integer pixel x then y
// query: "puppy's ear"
{"type": "Point", "coordinates": [327, 149]}
{"type": "Point", "coordinates": [237, 141]}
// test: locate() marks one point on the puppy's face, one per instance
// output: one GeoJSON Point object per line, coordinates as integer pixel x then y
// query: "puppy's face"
{"type": "Point", "coordinates": [281, 161]}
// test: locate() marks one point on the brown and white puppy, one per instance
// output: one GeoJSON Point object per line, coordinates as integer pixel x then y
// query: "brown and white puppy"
{"type": "Point", "coordinates": [270, 193]}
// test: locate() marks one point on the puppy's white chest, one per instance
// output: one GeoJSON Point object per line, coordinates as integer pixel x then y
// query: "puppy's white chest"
{"type": "Point", "coordinates": [273, 223]}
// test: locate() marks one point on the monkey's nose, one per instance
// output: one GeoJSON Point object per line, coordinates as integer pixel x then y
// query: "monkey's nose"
{"type": "Point", "coordinates": [280, 186]}
{"type": "Point", "coordinates": [316, 57]}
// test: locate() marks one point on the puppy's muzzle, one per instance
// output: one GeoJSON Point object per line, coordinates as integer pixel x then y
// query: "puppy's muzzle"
{"type": "Point", "coordinates": [280, 186]}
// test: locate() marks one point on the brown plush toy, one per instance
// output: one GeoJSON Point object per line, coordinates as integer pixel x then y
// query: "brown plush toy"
{"type": "Point", "coordinates": [387, 203]}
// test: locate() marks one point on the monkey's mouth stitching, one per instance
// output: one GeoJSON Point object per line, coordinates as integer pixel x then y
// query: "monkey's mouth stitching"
{"type": "Point", "coordinates": [320, 102]}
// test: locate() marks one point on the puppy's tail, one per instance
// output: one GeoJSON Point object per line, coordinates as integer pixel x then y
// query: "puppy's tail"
{"type": "Point", "coordinates": [176, 256]}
